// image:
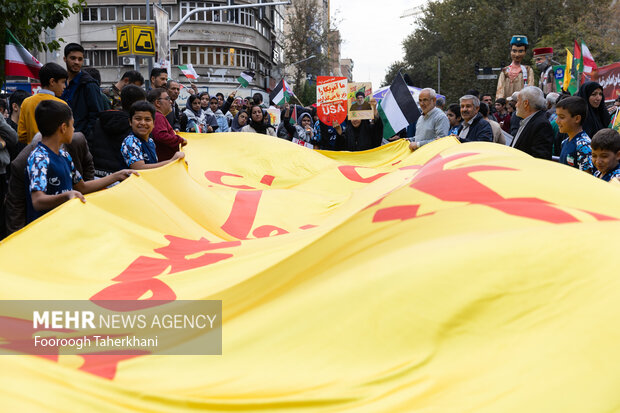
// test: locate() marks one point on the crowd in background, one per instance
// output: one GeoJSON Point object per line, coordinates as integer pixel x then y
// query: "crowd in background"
{"type": "Point", "coordinates": [83, 137]}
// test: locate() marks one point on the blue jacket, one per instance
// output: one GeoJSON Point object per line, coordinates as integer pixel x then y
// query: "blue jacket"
{"type": "Point", "coordinates": [84, 97]}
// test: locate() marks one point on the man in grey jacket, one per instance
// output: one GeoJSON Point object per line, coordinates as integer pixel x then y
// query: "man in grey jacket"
{"type": "Point", "coordinates": [433, 123]}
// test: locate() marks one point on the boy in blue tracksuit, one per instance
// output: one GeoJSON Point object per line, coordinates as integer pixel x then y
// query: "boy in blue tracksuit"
{"type": "Point", "coordinates": [576, 150]}
{"type": "Point", "coordinates": [52, 177]}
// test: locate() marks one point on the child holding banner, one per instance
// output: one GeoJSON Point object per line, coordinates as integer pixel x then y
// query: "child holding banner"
{"type": "Point", "coordinates": [53, 178]}
{"type": "Point", "coordinates": [138, 148]}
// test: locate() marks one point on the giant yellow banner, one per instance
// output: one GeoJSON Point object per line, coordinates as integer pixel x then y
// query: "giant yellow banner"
{"type": "Point", "coordinates": [456, 278]}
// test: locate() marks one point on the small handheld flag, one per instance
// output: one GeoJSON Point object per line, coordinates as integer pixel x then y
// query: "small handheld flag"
{"type": "Point", "coordinates": [281, 93]}
{"type": "Point", "coordinates": [188, 71]}
{"type": "Point", "coordinates": [246, 78]}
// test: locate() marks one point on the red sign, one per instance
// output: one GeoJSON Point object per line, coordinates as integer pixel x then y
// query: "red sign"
{"type": "Point", "coordinates": [609, 77]}
{"type": "Point", "coordinates": [331, 99]}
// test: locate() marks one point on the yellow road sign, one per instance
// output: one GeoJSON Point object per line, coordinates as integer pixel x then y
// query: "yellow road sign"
{"type": "Point", "coordinates": [143, 40]}
{"type": "Point", "coordinates": [123, 40]}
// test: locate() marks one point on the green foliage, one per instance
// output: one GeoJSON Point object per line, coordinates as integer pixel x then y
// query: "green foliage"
{"type": "Point", "coordinates": [307, 93]}
{"type": "Point", "coordinates": [28, 19]}
{"type": "Point", "coordinates": [466, 32]}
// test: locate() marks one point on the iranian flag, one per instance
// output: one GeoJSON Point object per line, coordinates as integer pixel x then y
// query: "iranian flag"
{"type": "Point", "coordinates": [245, 78]}
{"type": "Point", "coordinates": [397, 108]}
{"type": "Point", "coordinates": [188, 71]}
{"type": "Point", "coordinates": [588, 60]}
{"type": "Point", "coordinates": [17, 60]}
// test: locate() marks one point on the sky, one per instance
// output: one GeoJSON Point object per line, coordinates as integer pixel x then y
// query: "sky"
{"type": "Point", "coordinates": [372, 33]}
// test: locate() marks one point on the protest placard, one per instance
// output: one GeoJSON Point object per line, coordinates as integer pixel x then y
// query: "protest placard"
{"type": "Point", "coordinates": [331, 99]}
{"type": "Point", "coordinates": [358, 98]}
{"type": "Point", "coordinates": [274, 116]}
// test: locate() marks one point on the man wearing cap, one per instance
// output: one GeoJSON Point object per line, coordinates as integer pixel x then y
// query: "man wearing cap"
{"type": "Point", "coordinates": [514, 77]}
{"type": "Point", "coordinates": [542, 58]}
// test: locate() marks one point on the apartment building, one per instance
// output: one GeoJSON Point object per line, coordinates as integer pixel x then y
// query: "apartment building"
{"type": "Point", "coordinates": [219, 44]}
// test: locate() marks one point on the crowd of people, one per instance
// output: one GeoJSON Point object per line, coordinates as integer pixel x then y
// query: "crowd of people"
{"type": "Point", "coordinates": [74, 137]}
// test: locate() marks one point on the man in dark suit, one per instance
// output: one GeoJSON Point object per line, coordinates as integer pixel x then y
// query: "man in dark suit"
{"type": "Point", "coordinates": [535, 134]}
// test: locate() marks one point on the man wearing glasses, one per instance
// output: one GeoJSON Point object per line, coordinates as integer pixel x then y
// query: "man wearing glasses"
{"type": "Point", "coordinates": [433, 123]}
{"type": "Point", "coordinates": [166, 140]}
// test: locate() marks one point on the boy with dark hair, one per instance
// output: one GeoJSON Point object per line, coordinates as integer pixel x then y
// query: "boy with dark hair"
{"type": "Point", "coordinates": [159, 77]}
{"type": "Point", "coordinates": [82, 93]}
{"type": "Point", "coordinates": [138, 148]}
{"type": "Point", "coordinates": [15, 104]}
{"type": "Point", "coordinates": [576, 151]}
{"type": "Point", "coordinates": [94, 72]}
{"type": "Point", "coordinates": [606, 154]}
{"type": "Point", "coordinates": [52, 176]}
{"type": "Point", "coordinates": [131, 77]}
{"type": "Point", "coordinates": [110, 130]}
{"type": "Point", "coordinates": [53, 78]}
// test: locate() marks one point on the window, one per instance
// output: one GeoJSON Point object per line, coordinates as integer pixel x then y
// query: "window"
{"type": "Point", "coordinates": [101, 58]}
{"type": "Point", "coordinates": [217, 56]}
{"type": "Point", "coordinates": [134, 13]}
{"type": "Point", "coordinates": [99, 14]}
{"type": "Point", "coordinates": [203, 16]}
{"type": "Point", "coordinates": [138, 13]}
{"type": "Point", "coordinates": [278, 22]}
{"type": "Point", "coordinates": [246, 17]}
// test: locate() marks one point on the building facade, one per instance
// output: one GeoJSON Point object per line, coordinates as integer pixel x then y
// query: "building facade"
{"type": "Point", "coordinates": [346, 68]}
{"type": "Point", "coordinates": [219, 44]}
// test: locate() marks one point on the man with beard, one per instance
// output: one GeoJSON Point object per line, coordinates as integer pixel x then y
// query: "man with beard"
{"type": "Point", "coordinates": [542, 58]}
{"type": "Point", "coordinates": [82, 93]}
{"type": "Point", "coordinates": [174, 117]}
{"type": "Point", "coordinates": [514, 77]}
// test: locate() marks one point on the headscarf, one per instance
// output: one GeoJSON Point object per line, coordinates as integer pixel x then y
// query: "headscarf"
{"type": "Point", "coordinates": [259, 127]}
{"type": "Point", "coordinates": [596, 118]}
{"type": "Point", "coordinates": [235, 126]}
{"type": "Point", "coordinates": [365, 136]}
{"type": "Point", "coordinates": [192, 115]}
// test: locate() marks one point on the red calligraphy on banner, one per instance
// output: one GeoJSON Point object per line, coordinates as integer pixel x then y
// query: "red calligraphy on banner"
{"type": "Point", "coordinates": [350, 172]}
{"type": "Point", "coordinates": [138, 279]}
{"type": "Point", "coordinates": [17, 336]}
{"type": "Point", "coordinates": [456, 185]}
{"type": "Point", "coordinates": [216, 178]}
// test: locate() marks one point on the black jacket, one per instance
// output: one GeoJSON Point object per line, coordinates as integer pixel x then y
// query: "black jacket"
{"type": "Point", "coordinates": [86, 104]}
{"type": "Point", "coordinates": [106, 139]}
{"type": "Point", "coordinates": [536, 137]}
{"type": "Point", "coordinates": [480, 130]}
{"type": "Point", "coordinates": [367, 136]}
{"type": "Point", "coordinates": [174, 117]}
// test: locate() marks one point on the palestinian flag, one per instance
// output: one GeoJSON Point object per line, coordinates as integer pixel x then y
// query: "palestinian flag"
{"type": "Point", "coordinates": [397, 108]}
{"type": "Point", "coordinates": [17, 60]}
{"type": "Point", "coordinates": [188, 71]}
{"type": "Point", "coordinates": [281, 93]}
{"type": "Point", "coordinates": [246, 78]}
{"type": "Point", "coordinates": [293, 119]}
